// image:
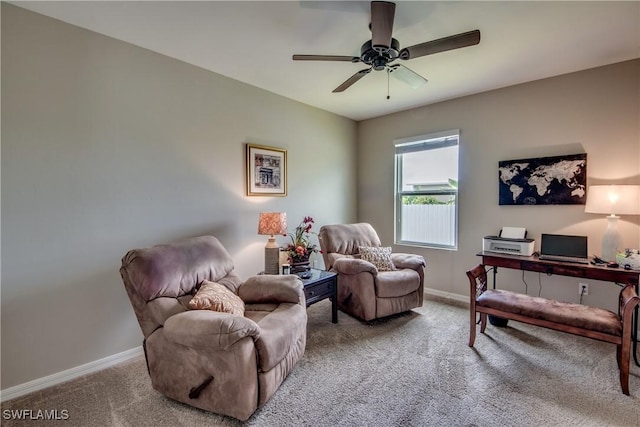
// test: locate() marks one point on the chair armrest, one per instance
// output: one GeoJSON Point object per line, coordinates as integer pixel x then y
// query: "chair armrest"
{"type": "Point", "coordinates": [354, 266]}
{"type": "Point", "coordinates": [477, 282]}
{"type": "Point", "coordinates": [411, 261]}
{"type": "Point", "coordinates": [267, 288]}
{"type": "Point", "coordinates": [209, 329]}
{"type": "Point", "coordinates": [627, 303]}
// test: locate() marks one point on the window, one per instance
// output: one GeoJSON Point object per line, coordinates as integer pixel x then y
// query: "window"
{"type": "Point", "coordinates": [427, 190]}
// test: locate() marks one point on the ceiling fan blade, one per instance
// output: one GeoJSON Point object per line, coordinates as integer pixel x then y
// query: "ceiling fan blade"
{"type": "Point", "coordinates": [457, 41]}
{"type": "Point", "coordinates": [351, 80]}
{"type": "Point", "coordinates": [406, 75]}
{"type": "Point", "coordinates": [325, 58]}
{"type": "Point", "coordinates": [382, 14]}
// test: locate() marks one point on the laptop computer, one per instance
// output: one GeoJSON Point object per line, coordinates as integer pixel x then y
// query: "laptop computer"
{"type": "Point", "coordinates": [559, 247]}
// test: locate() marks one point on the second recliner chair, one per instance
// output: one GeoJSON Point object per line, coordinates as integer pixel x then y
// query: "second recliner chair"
{"type": "Point", "coordinates": [364, 290]}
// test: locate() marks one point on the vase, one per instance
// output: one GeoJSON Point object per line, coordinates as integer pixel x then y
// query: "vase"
{"type": "Point", "coordinates": [300, 264]}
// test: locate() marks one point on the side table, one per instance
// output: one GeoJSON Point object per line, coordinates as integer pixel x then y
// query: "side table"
{"type": "Point", "coordinates": [319, 286]}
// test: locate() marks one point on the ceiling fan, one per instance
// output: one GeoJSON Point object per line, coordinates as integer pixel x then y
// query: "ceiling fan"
{"type": "Point", "coordinates": [383, 49]}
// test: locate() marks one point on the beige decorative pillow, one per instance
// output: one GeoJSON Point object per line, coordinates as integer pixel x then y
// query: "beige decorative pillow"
{"type": "Point", "coordinates": [379, 256]}
{"type": "Point", "coordinates": [217, 297]}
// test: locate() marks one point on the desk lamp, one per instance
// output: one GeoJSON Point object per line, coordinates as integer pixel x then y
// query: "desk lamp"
{"type": "Point", "coordinates": [613, 199]}
{"type": "Point", "coordinates": [272, 223]}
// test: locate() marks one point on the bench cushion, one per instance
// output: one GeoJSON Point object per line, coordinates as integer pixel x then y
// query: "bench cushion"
{"type": "Point", "coordinates": [577, 315]}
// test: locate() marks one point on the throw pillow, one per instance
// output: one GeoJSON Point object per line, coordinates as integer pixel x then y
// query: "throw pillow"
{"type": "Point", "coordinates": [217, 297]}
{"type": "Point", "coordinates": [379, 256]}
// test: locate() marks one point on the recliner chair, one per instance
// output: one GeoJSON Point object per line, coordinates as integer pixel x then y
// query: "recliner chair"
{"type": "Point", "coordinates": [364, 291]}
{"type": "Point", "coordinates": [215, 361]}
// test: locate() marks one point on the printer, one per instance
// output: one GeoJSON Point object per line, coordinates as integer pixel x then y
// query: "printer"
{"type": "Point", "coordinates": [510, 240]}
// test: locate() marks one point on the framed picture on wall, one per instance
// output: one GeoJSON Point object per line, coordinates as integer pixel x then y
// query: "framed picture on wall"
{"type": "Point", "coordinates": [558, 180]}
{"type": "Point", "coordinates": [266, 171]}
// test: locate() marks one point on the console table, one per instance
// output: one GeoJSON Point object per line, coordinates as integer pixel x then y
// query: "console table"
{"type": "Point", "coordinates": [585, 271]}
{"type": "Point", "coordinates": [321, 285]}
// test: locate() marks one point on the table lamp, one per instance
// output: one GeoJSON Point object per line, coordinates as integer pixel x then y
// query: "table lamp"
{"type": "Point", "coordinates": [272, 223]}
{"type": "Point", "coordinates": [613, 199]}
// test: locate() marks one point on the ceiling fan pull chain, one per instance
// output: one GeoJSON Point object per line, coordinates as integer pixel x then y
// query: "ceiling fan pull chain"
{"type": "Point", "coordinates": [388, 84]}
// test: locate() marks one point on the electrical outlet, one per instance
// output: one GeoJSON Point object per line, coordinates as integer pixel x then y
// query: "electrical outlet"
{"type": "Point", "coordinates": [583, 289]}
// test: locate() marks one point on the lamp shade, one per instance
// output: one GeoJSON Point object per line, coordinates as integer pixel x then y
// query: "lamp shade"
{"type": "Point", "coordinates": [272, 223]}
{"type": "Point", "coordinates": [613, 199]}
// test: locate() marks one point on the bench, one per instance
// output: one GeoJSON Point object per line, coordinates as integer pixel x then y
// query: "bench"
{"type": "Point", "coordinates": [577, 319]}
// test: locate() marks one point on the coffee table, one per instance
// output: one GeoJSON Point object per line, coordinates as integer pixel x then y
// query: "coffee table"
{"type": "Point", "coordinates": [319, 286]}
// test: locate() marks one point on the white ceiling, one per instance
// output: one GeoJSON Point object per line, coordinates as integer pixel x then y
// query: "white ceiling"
{"type": "Point", "coordinates": [253, 42]}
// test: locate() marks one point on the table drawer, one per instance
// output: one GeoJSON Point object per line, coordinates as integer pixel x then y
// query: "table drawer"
{"type": "Point", "coordinates": [318, 291]}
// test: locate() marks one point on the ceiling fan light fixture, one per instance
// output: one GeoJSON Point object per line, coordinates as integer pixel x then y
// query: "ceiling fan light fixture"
{"type": "Point", "coordinates": [379, 63]}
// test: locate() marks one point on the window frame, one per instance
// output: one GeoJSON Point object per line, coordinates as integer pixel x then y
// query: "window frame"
{"type": "Point", "coordinates": [417, 143]}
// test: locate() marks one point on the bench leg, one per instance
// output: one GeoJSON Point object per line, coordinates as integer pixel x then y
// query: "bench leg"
{"type": "Point", "coordinates": [624, 350]}
{"type": "Point", "coordinates": [472, 329]}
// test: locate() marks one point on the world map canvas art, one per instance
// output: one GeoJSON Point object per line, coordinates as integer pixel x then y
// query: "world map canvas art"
{"type": "Point", "coordinates": [558, 180]}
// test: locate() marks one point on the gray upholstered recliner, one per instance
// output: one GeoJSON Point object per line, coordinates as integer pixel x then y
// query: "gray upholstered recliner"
{"type": "Point", "coordinates": [363, 291]}
{"type": "Point", "coordinates": [215, 361]}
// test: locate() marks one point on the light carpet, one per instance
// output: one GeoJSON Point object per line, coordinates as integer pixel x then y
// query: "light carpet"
{"type": "Point", "coordinates": [413, 369]}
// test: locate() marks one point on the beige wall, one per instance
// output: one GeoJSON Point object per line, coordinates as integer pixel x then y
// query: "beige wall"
{"type": "Point", "coordinates": [595, 111]}
{"type": "Point", "coordinates": [107, 147]}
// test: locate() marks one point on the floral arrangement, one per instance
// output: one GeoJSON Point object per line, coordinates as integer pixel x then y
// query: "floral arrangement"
{"type": "Point", "coordinates": [301, 247]}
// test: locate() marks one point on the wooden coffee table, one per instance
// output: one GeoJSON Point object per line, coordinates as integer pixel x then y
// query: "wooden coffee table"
{"type": "Point", "coordinates": [321, 285]}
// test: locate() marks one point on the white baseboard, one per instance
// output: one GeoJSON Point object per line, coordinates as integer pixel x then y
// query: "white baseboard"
{"type": "Point", "coordinates": [69, 374]}
{"type": "Point", "coordinates": [443, 294]}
